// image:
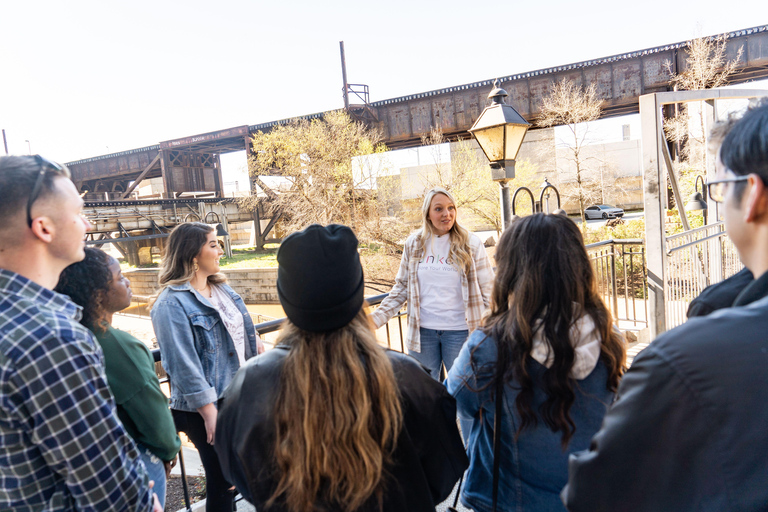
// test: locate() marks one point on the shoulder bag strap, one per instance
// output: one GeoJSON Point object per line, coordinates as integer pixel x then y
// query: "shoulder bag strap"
{"type": "Point", "coordinates": [497, 441]}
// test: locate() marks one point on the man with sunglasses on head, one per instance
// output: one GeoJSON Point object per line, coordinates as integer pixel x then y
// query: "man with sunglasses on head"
{"type": "Point", "coordinates": [62, 446]}
{"type": "Point", "coordinates": [687, 431]}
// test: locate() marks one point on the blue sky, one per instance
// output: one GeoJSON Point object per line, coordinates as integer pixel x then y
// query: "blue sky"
{"type": "Point", "coordinates": [84, 78]}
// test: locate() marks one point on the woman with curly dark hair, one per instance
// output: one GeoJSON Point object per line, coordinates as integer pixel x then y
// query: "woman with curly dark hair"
{"type": "Point", "coordinates": [98, 285]}
{"type": "Point", "coordinates": [549, 347]}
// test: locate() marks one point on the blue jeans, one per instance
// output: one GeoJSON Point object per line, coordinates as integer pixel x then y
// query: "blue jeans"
{"type": "Point", "coordinates": [155, 471]}
{"type": "Point", "coordinates": [438, 348]}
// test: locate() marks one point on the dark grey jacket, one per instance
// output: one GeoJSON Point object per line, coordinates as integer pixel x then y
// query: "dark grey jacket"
{"type": "Point", "coordinates": [688, 431]}
{"type": "Point", "coordinates": [429, 456]}
{"type": "Point", "coordinates": [720, 295]}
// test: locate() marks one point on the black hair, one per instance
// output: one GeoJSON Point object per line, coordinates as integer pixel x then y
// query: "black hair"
{"type": "Point", "coordinates": [86, 282]}
{"type": "Point", "coordinates": [745, 147]}
{"type": "Point", "coordinates": [18, 175]}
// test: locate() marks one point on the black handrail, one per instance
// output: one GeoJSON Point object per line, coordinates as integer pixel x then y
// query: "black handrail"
{"type": "Point", "coordinates": [276, 325]}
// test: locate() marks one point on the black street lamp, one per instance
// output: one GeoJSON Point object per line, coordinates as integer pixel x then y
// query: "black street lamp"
{"type": "Point", "coordinates": [697, 202]}
{"type": "Point", "coordinates": [545, 195]}
{"type": "Point", "coordinates": [500, 131]}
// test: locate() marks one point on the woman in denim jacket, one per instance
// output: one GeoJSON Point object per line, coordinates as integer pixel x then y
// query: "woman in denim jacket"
{"type": "Point", "coordinates": [550, 340]}
{"type": "Point", "coordinates": [205, 333]}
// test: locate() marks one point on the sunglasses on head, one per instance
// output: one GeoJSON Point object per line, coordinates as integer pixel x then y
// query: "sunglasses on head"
{"type": "Point", "coordinates": [45, 165]}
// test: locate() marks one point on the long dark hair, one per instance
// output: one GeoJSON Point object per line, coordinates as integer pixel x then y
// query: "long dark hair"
{"type": "Point", "coordinates": [87, 282]}
{"type": "Point", "coordinates": [543, 272]}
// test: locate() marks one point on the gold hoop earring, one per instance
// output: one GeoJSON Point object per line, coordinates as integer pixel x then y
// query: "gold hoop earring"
{"type": "Point", "coordinates": [196, 267]}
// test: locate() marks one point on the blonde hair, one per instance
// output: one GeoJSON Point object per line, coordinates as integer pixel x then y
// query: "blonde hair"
{"type": "Point", "coordinates": [460, 253]}
{"type": "Point", "coordinates": [337, 418]}
{"type": "Point", "coordinates": [184, 244]}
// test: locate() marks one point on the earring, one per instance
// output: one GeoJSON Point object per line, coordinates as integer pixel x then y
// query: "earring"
{"type": "Point", "coordinates": [196, 267]}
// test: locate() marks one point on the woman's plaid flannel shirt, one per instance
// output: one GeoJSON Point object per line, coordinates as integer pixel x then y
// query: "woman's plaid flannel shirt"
{"type": "Point", "coordinates": [476, 288]}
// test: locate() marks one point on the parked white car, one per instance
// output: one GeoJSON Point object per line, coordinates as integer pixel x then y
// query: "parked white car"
{"type": "Point", "coordinates": [603, 211]}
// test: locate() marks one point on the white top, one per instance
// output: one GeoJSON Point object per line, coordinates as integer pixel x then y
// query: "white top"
{"type": "Point", "coordinates": [232, 318]}
{"type": "Point", "coordinates": [442, 301]}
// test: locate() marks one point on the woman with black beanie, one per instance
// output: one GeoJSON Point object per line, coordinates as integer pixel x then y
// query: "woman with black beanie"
{"type": "Point", "coordinates": [344, 424]}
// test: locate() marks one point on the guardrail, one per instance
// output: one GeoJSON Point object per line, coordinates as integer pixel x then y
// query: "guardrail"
{"type": "Point", "coordinates": [622, 279]}
{"type": "Point", "coordinates": [696, 259]}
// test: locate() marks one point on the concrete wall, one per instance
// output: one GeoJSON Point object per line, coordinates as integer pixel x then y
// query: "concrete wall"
{"type": "Point", "coordinates": [255, 285]}
{"type": "Point", "coordinates": [611, 174]}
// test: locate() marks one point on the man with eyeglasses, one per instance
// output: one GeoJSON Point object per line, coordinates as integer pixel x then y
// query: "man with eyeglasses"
{"type": "Point", "coordinates": [722, 294]}
{"type": "Point", "coordinates": [688, 430]}
{"type": "Point", "coordinates": [62, 446]}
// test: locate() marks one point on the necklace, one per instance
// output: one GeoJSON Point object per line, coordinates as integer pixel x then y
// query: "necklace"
{"type": "Point", "coordinates": [203, 289]}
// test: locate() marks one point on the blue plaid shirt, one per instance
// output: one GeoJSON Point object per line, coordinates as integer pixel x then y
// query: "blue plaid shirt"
{"type": "Point", "coordinates": [61, 444]}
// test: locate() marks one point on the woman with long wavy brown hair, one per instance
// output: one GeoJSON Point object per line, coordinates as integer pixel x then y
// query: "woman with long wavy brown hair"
{"type": "Point", "coordinates": [550, 345]}
{"type": "Point", "coordinates": [343, 424]}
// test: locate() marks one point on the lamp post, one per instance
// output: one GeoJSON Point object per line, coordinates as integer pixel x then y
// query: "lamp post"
{"type": "Point", "coordinates": [545, 195]}
{"type": "Point", "coordinates": [500, 131]}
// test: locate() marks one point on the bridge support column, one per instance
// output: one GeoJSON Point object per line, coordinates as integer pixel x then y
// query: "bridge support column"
{"type": "Point", "coordinates": [132, 253]}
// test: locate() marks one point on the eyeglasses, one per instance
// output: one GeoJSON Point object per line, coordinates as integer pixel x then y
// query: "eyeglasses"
{"type": "Point", "coordinates": [718, 188]}
{"type": "Point", "coordinates": [45, 165]}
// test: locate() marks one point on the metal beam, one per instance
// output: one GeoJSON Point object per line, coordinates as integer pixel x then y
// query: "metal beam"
{"type": "Point", "coordinates": [126, 239]}
{"type": "Point", "coordinates": [655, 236]}
{"type": "Point", "coordinates": [141, 176]}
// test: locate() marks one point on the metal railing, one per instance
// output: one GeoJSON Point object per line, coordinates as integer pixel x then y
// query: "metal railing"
{"type": "Point", "coordinates": [696, 259]}
{"type": "Point", "coordinates": [619, 267]}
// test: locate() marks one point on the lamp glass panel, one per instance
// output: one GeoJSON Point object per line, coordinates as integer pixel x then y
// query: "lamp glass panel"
{"type": "Point", "coordinates": [491, 140]}
{"type": "Point", "coordinates": [515, 134]}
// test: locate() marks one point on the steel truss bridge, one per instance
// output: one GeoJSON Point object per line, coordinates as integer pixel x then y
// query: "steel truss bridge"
{"type": "Point", "coordinates": [191, 164]}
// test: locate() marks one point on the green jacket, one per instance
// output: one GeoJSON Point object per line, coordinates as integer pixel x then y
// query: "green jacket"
{"type": "Point", "coordinates": [141, 404]}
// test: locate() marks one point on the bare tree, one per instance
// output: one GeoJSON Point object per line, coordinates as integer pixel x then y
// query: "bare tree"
{"type": "Point", "coordinates": [322, 175]}
{"type": "Point", "coordinates": [574, 106]}
{"type": "Point", "coordinates": [706, 67]}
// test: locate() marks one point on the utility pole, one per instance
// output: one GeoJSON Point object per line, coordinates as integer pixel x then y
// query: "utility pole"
{"type": "Point", "coordinates": [5, 142]}
{"type": "Point", "coordinates": [344, 75]}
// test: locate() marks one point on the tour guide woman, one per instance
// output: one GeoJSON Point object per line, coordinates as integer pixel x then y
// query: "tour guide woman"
{"type": "Point", "coordinates": [549, 344]}
{"type": "Point", "coordinates": [97, 285]}
{"type": "Point", "coordinates": [205, 333]}
{"type": "Point", "coordinates": [328, 419]}
{"type": "Point", "coordinates": [446, 277]}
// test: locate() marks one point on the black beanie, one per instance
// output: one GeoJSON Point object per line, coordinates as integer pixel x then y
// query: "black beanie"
{"type": "Point", "coordinates": [320, 278]}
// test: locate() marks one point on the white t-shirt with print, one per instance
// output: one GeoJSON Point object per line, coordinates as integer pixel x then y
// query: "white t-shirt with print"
{"type": "Point", "coordinates": [440, 295]}
{"type": "Point", "coordinates": [232, 318]}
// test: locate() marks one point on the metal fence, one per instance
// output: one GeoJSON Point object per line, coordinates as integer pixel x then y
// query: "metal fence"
{"type": "Point", "coordinates": [619, 267]}
{"type": "Point", "coordinates": [695, 259]}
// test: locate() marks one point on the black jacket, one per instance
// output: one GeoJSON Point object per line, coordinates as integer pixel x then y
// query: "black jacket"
{"type": "Point", "coordinates": [720, 295]}
{"type": "Point", "coordinates": [429, 457]}
{"type": "Point", "coordinates": [688, 431]}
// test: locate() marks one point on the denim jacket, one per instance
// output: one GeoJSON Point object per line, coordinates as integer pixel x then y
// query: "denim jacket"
{"type": "Point", "coordinates": [533, 467]}
{"type": "Point", "coordinates": [198, 352]}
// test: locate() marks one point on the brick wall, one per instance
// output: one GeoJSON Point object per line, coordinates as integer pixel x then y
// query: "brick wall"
{"type": "Point", "coordinates": [255, 285]}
